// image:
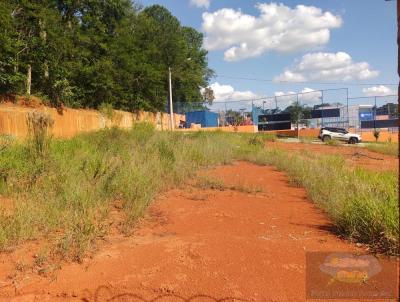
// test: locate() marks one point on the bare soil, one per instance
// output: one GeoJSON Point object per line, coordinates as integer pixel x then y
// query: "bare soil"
{"type": "Point", "coordinates": [195, 245]}
{"type": "Point", "coordinates": [355, 156]}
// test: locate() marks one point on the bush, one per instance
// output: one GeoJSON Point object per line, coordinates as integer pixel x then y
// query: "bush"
{"type": "Point", "coordinates": [39, 124]}
{"type": "Point", "coordinates": [377, 132]}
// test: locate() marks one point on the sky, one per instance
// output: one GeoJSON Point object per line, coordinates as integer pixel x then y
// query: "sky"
{"type": "Point", "coordinates": [297, 46]}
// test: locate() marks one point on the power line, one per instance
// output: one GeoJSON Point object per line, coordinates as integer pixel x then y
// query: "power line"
{"type": "Point", "coordinates": [303, 82]}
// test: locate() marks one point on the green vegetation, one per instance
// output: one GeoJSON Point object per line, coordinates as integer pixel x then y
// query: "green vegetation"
{"type": "Point", "coordinates": [205, 183]}
{"type": "Point", "coordinates": [377, 133]}
{"type": "Point", "coordinates": [363, 205]}
{"type": "Point", "coordinates": [332, 142]}
{"type": "Point", "coordinates": [384, 148]}
{"type": "Point", "coordinates": [66, 193]}
{"type": "Point", "coordinates": [85, 53]}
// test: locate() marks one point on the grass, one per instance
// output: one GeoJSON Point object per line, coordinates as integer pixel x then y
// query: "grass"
{"type": "Point", "coordinates": [64, 194]}
{"type": "Point", "coordinates": [384, 148]}
{"type": "Point", "coordinates": [332, 142]}
{"type": "Point", "coordinates": [210, 183]}
{"type": "Point", "coordinates": [363, 205]}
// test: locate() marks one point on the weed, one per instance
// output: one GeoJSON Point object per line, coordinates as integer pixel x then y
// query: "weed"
{"type": "Point", "coordinates": [362, 204]}
{"type": "Point", "coordinates": [66, 195]}
{"type": "Point", "coordinates": [207, 183]}
{"type": "Point", "coordinates": [39, 124]}
{"type": "Point", "coordinates": [217, 184]}
{"type": "Point", "coordinates": [332, 142]}
{"type": "Point", "coordinates": [257, 141]}
{"type": "Point", "coordinates": [384, 148]}
{"type": "Point", "coordinates": [107, 110]}
{"type": "Point", "coordinates": [377, 133]}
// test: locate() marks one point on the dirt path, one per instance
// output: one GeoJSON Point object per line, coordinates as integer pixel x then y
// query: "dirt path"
{"type": "Point", "coordinates": [208, 245]}
{"type": "Point", "coordinates": [355, 156]}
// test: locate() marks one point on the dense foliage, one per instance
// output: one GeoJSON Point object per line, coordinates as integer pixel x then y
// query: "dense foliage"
{"type": "Point", "coordinates": [87, 52]}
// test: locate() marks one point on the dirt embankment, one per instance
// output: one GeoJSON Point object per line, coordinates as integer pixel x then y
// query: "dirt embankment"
{"type": "Point", "coordinates": [355, 156]}
{"type": "Point", "coordinates": [197, 245]}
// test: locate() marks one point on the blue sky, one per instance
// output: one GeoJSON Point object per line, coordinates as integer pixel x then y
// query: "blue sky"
{"type": "Point", "coordinates": [362, 32]}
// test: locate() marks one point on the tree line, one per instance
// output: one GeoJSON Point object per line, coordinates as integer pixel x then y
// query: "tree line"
{"type": "Point", "coordinates": [86, 53]}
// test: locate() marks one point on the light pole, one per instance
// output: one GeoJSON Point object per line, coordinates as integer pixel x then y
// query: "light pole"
{"type": "Point", "coordinates": [171, 107]}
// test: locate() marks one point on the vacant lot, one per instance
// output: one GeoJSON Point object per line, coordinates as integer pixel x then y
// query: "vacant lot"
{"type": "Point", "coordinates": [78, 199]}
{"type": "Point", "coordinates": [355, 156]}
{"type": "Point", "coordinates": [245, 239]}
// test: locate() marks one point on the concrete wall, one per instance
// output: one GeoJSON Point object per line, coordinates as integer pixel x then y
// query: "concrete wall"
{"type": "Point", "coordinates": [72, 121]}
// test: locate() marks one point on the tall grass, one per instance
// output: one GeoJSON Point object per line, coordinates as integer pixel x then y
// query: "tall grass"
{"type": "Point", "coordinates": [362, 204]}
{"type": "Point", "coordinates": [384, 148]}
{"type": "Point", "coordinates": [66, 196]}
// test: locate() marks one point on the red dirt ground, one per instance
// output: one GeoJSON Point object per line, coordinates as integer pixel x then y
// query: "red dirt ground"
{"type": "Point", "coordinates": [198, 246]}
{"type": "Point", "coordinates": [354, 155]}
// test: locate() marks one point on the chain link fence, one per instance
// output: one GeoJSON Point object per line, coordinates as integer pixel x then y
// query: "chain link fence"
{"type": "Point", "coordinates": [310, 109]}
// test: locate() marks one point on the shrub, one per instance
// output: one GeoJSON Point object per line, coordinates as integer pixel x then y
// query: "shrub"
{"type": "Point", "coordinates": [39, 124]}
{"type": "Point", "coordinates": [107, 110]}
{"type": "Point", "coordinates": [377, 132]}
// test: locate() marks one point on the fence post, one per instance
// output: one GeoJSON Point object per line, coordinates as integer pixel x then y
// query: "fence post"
{"type": "Point", "coordinates": [322, 108]}
{"type": "Point", "coordinates": [347, 107]}
{"type": "Point", "coordinates": [374, 114]}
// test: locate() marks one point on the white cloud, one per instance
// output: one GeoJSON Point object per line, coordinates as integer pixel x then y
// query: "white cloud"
{"type": "Point", "coordinates": [307, 96]}
{"type": "Point", "coordinates": [327, 67]}
{"type": "Point", "coordinates": [278, 28]}
{"type": "Point", "coordinates": [228, 93]}
{"type": "Point", "coordinates": [310, 96]}
{"type": "Point", "coordinates": [285, 99]}
{"type": "Point", "coordinates": [378, 91]}
{"type": "Point", "coordinates": [200, 3]}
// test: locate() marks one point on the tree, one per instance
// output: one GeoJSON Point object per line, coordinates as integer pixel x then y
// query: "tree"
{"type": "Point", "coordinates": [299, 113]}
{"type": "Point", "coordinates": [85, 53]}
{"type": "Point", "coordinates": [208, 95]}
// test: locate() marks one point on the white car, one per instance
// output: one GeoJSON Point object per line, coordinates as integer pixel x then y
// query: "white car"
{"type": "Point", "coordinates": [328, 133]}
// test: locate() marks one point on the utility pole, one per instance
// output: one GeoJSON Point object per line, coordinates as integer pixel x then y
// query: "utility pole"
{"type": "Point", "coordinates": [29, 80]}
{"type": "Point", "coordinates": [298, 116]}
{"type": "Point", "coordinates": [171, 107]}
{"type": "Point", "coordinates": [322, 107]}
{"type": "Point", "coordinates": [398, 51]}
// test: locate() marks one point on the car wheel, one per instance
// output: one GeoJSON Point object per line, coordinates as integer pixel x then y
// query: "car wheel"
{"type": "Point", "coordinates": [326, 138]}
{"type": "Point", "coordinates": [353, 140]}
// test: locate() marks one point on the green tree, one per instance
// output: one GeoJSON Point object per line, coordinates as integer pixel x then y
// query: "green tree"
{"type": "Point", "coordinates": [84, 53]}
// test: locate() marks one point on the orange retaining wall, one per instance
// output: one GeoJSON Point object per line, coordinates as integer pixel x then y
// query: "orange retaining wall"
{"type": "Point", "coordinates": [384, 136]}
{"type": "Point", "coordinates": [248, 129]}
{"type": "Point", "coordinates": [73, 121]}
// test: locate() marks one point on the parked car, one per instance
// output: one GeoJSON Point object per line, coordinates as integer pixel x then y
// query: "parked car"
{"type": "Point", "coordinates": [328, 133]}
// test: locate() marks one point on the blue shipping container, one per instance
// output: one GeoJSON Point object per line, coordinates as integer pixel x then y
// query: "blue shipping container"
{"type": "Point", "coordinates": [204, 118]}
